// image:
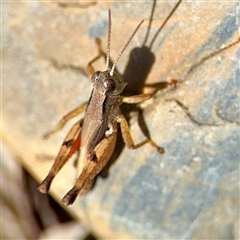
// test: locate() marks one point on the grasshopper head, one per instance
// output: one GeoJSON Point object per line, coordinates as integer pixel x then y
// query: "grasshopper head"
{"type": "Point", "coordinates": [108, 84]}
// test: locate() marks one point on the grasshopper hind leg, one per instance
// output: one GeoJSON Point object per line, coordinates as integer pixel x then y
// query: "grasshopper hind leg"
{"type": "Point", "coordinates": [92, 168]}
{"type": "Point", "coordinates": [71, 196]}
{"type": "Point", "coordinates": [70, 145]}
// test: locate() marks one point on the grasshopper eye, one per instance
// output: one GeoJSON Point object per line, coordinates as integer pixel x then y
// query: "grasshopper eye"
{"type": "Point", "coordinates": [109, 85]}
{"type": "Point", "coordinates": [95, 76]}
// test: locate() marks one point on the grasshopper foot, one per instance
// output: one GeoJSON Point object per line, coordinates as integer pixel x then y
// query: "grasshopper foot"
{"type": "Point", "coordinates": [45, 185]}
{"type": "Point", "coordinates": [70, 197]}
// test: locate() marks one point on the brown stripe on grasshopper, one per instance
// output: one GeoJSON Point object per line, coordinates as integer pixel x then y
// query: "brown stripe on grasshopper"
{"type": "Point", "coordinates": [69, 143]}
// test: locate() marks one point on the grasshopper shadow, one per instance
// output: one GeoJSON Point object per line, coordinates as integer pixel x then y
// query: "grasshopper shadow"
{"type": "Point", "coordinates": [139, 66]}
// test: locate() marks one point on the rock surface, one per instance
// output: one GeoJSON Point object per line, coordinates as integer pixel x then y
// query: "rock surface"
{"type": "Point", "coordinates": [191, 191]}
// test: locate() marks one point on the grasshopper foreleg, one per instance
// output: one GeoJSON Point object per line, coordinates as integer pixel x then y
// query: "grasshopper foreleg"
{"type": "Point", "coordinates": [90, 68]}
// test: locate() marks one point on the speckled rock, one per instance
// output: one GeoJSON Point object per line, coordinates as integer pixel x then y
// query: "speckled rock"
{"type": "Point", "coordinates": [191, 191]}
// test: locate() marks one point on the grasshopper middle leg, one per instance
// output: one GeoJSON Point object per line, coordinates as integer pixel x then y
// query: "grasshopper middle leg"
{"type": "Point", "coordinates": [65, 119]}
{"type": "Point", "coordinates": [125, 128]}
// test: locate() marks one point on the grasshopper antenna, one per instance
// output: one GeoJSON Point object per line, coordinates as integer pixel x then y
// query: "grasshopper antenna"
{"type": "Point", "coordinates": [129, 40]}
{"type": "Point", "coordinates": [109, 39]}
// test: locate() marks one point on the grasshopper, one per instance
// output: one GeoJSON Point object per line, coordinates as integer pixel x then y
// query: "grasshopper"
{"type": "Point", "coordinates": [94, 136]}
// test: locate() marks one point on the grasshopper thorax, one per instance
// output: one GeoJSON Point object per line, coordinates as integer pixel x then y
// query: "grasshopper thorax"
{"type": "Point", "coordinates": [107, 83]}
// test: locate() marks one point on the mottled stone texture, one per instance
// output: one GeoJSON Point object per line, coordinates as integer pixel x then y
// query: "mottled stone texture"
{"type": "Point", "coordinates": [191, 191]}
